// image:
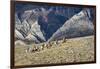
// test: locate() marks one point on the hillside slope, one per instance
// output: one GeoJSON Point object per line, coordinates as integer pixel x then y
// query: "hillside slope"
{"type": "Point", "coordinates": [72, 50]}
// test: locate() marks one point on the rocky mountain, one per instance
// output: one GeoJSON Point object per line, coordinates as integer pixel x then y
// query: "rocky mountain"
{"type": "Point", "coordinates": [78, 25]}
{"type": "Point", "coordinates": [28, 27]}
{"type": "Point", "coordinates": [37, 24]}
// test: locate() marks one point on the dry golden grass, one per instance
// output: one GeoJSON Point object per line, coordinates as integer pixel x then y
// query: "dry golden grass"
{"type": "Point", "coordinates": [72, 50]}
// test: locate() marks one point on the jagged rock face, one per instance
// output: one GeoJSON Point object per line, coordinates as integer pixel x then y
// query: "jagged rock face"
{"type": "Point", "coordinates": [36, 31]}
{"type": "Point", "coordinates": [18, 35]}
{"type": "Point", "coordinates": [28, 25]}
{"type": "Point", "coordinates": [78, 25]}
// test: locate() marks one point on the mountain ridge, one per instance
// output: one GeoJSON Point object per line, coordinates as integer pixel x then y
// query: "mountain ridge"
{"type": "Point", "coordinates": [40, 25]}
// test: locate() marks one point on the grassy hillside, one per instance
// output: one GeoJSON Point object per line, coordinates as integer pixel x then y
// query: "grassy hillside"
{"type": "Point", "coordinates": [72, 50]}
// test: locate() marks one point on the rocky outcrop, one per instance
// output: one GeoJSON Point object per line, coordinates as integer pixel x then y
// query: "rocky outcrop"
{"type": "Point", "coordinates": [18, 35]}
{"type": "Point", "coordinates": [31, 38]}
{"type": "Point", "coordinates": [35, 30]}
